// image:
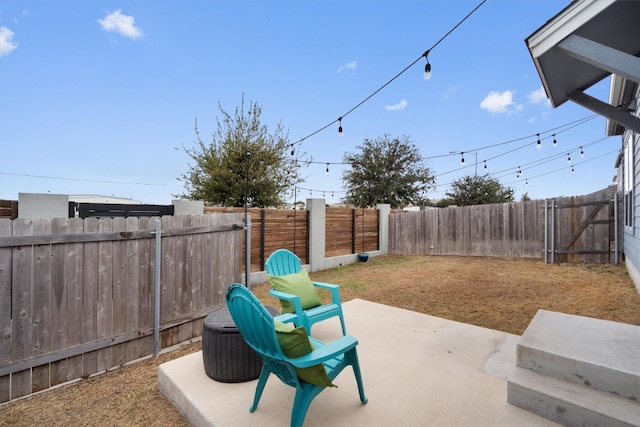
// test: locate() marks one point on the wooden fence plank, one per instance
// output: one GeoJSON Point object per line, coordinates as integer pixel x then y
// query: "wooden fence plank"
{"type": "Point", "coordinates": [22, 299]}
{"type": "Point", "coordinates": [130, 309]}
{"type": "Point", "coordinates": [168, 266]}
{"type": "Point", "coordinates": [41, 310]}
{"type": "Point", "coordinates": [104, 315]}
{"type": "Point", "coordinates": [6, 229]}
{"type": "Point", "coordinates": [120, 276]}
{"type": "Point", "coordinates": [75, 298]}
{"type": "Point", "coordinates": [141, 268]}
{"type": "Point", "coordinates": [208, 266]}
{"type": "Point", "coordinates": [90, 298]}
{"type": "Point", "coordinates": [179, 277]}
{"type": "Point", "coordinates": [59, 301]}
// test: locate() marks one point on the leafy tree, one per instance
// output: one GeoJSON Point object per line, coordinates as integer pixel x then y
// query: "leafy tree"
{"type": "Point", "coordinates": [219, 172]}
{"type": "Point", "coordinates": [478, 190]}
{"type": "Point", "coordinates": [386, 170]}
{"type": "Point", "coordinates": [525, 198]}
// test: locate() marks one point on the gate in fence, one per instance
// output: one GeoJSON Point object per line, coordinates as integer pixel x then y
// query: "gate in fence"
{"type": "Point", "coordinates": [583, 229]}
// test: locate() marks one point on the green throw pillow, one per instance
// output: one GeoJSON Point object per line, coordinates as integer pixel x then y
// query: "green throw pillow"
{"type": "Point", "coordinates": [296, 284]}
{"type": "Point", "coordinates": [295, 343]}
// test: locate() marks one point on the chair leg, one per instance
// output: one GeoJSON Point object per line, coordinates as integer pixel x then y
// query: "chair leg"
{"type": "Point", "coordinates": [355, 364]}
{"type": "Point", "coordinates": [301, 403]}
{"type": "Point", "coordinates": [344, 329]}
{"type": "Point", "coordinates": [262, 381]}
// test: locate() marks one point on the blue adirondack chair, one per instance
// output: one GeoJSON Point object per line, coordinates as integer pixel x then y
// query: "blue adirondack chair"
{"type": "Point", "coordinates": [257, 328]}
{"type": "Point", "coordinates": [283, 262]}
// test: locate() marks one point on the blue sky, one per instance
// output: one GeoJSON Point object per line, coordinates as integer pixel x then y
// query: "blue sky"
{"type": "Point", "coordinates": [99, 97]}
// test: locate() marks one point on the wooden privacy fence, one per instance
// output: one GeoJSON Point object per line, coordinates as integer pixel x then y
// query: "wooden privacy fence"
{"type": "Point", "coordinates": [574, 229]}
{"type": "Point", "coordinates": [508, 229]}
{"type": "Point", "coordinates": [77, 296]}
{"type": "Point", "coordinates": [271, 229]}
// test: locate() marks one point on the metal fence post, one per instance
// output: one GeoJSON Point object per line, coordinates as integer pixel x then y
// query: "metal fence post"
{"type": "Point", "coordinates": [546, 231]}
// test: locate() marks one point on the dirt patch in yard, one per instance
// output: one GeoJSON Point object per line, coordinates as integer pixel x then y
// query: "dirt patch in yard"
{"type": "Point", "coordinates": [496, 293]}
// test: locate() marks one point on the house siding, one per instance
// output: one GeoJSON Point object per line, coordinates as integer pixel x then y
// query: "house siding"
{"type": "Point", "coordinates": [631, 237]}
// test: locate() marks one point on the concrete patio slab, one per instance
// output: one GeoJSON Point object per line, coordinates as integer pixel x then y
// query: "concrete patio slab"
{"type": "Point", "coordinates": [417, 370]}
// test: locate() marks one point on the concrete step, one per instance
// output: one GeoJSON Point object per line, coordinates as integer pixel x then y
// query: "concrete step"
{"type": "Point", "coordinates": [568, 403]}
{"type": "Point", "coordinates": [595, 353]}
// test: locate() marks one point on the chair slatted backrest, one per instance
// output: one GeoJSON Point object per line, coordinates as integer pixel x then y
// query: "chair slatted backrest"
{"type": "Point", "coordinates": [256, 326]}
{"type": "Point", "coordinates": [282, 262]}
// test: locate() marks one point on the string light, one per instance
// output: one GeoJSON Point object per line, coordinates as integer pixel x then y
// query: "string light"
{"type": "Point", "coordinates": [539, 144]}
{"type": "Point", "coordinates": [519, 170]}
{"type": "Point", "coordinates": [571, 124]}
{"type": "Point", "coordinates": [313, 191]}
{"type": "Point", "coordinates": [327, 171]}
{"type": "Point", "coordinates": [427, 67]}
{"type": "Point", "coordinates": [340, 127]}
{"type": "Point", "coordinates": [581, 152]}
{"type": "Point", "coordinates": [572, 169]}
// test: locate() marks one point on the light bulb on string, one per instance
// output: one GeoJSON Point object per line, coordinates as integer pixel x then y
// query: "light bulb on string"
{"type": "Point", "coordinates": [539, 143]}
{"type": "Point", "coordinates": [572, 169]}
{"type": "Point", "coordinates": [581, 152]}
{"type": "Point", "coordinates": [327, 171]}
{"type": "Point", "coordinates": [526, 182]}
{"type": "Point", "coordinates": [555, 143]}
{"type": "Point", "coordinates": [568, 158]}
{"type": "Point", "coordinates": [340, 127]}
{"type": "Point", "coordinates": [293, 150]}
{"type": "Point", "coordinates": [427, 71]}
{"type": "Point", "coordinates": [485, 165]}
{"type": "Point", "coordinates": [462, 159]}
{"type": "Point", "coordinates": [427, 67]}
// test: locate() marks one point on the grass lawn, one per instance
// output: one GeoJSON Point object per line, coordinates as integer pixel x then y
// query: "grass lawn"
{"type": "Point", "coordinates": [496, 293]}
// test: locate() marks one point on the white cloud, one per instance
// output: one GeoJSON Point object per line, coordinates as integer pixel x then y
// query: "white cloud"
{"type": "Point", "coordinates": [399, 106]}
{"type": "Point", "coordinates": [538, 96]}
{"type": "Point", "coordinates": [121, 24]}
{"type": "Point", "coordinates": [500, 102]}
{"type": "Point", "coordinates": [451, 91]}
{"type": "Point", "coordinates": [349, 66]}
{"type": "Point", "coordinates": [6, 41]}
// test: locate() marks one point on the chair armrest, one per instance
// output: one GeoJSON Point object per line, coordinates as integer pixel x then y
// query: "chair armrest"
{"type": "Point", "coordinates": [335, 291]}
{"type": "Point", "coordinates": [286, 318]}
{"type": "Point", "coordinates": [322, 353]}
{"type": "Point", "coordinates": [297, 305]}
